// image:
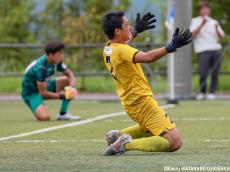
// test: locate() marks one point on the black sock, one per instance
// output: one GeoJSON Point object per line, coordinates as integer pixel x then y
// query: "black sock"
{"type": "Point", "coordinates": [62, 113]}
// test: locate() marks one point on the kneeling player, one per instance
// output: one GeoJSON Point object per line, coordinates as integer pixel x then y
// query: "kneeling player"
{"type": "Point", "coordinates": [38, 85]}
{"type": "Point", "coordinates": [155, 131]}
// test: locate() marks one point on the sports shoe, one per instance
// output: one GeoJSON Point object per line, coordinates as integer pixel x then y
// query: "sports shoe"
{"type": "Point", "coordinates": [118, 147]}
{"type": "Point", "coordinates": [211, 96]}
{"type": "Point", "coordinates": [112, 136]}
{"type": "Point", "coordinates": [67, 116]}
{"type": "Point", "coordinates": [200, 96]}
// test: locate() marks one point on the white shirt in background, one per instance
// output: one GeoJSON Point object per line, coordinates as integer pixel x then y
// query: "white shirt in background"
{"type": "Point", "coordinates": [207, 39]}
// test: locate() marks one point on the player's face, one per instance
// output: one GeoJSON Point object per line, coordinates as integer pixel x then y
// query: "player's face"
{"type": "Point", "coordinates": [125, 33]}
{"type": "Point", "coordinates": [58, 57]}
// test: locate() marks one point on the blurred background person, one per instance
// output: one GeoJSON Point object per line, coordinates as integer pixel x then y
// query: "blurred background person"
{"type": "Point", "coordinates": [207, 33]}
{"type": "Point", "coordinates": [38, 83]}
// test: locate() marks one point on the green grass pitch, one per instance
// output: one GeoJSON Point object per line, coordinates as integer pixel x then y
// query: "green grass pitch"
{"type": "Point", "coordinates": [204, 125]}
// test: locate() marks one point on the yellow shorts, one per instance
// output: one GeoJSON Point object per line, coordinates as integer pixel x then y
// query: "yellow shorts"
{"type": "Point", "coordinates": [150, 116]}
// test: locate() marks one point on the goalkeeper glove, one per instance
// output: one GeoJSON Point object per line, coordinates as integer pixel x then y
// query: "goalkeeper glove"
{"type": "Point", "coordinates": [179, 39]}
{"type": "Point", "coordinates": [69, 93]}
{"type": "Point", "coordinates": [144, 23]}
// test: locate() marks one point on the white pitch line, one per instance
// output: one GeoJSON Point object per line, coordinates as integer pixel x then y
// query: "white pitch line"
{"type": "Point", "coordinates": [95, 140]}
{"type": "Point", "coordinates": [208, 140]}
{"type": "Point", "coordinates": [206, 119]}
{"type": "Point", "coordinates": [77, 123]}
{"type": "Point", "coordinates": [51, 141]}
{"type": "Point", "coordinates": [56, 141]}
{"type": "Point", "coordinates": [44, 130]}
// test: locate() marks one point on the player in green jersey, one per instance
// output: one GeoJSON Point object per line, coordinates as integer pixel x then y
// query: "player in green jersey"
{"type": "Point", "coordinates": [38, 83]}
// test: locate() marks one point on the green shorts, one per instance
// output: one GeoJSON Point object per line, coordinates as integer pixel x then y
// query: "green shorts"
{"type": "Point", "coordinates": [35, 100]}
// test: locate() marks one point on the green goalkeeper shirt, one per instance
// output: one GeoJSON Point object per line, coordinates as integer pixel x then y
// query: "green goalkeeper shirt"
{"type": "Point", "coordinates": [39, 70]}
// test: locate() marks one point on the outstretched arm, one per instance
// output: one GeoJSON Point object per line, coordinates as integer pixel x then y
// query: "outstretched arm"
{"type": "Point", "coordinates": [150, 56]}
{"type": "Point", "coordinates": [180, 39]}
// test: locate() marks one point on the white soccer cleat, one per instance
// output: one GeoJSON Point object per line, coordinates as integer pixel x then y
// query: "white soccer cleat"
{"type": "Point", "coordinates": [211, 96]}
{"type": "Point", "coordinates": [118, 147]}
{"type": "Point", "coordinates": [68, 116]}
{"type": "Point", "coordinates": [200, 96]}
{"type": "Point", "coordinates": [112, 136]}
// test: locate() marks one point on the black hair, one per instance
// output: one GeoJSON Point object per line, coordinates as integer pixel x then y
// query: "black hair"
{"type": "Point", "coordinates": [111, 21]}
{"type": "Point", "coordinates": [54, 46]}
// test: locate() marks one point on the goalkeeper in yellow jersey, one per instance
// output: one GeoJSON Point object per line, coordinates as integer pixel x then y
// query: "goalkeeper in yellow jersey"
{"type": "Point", "coordinates": [38, 83]}
{"type": "Point", "coordinates": [155, 131]}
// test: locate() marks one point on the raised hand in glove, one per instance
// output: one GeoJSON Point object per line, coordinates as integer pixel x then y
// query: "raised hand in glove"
{"type": "Point", "coordinates": [69, 93]}
{"type": "Point", "coordinates": [179, 39]}
{"type": "Point", "coordinates": [145, 23]}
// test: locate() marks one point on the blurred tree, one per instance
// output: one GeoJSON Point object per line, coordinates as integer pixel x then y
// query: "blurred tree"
{"type": "Point", "coordinates": [15, 21]}
{"type": "Point", "coordinates": [86, 27]}
{"type": "Point", "coordinates": [48, 22]}
{"type": "Point", "coordinates": [73, 21]}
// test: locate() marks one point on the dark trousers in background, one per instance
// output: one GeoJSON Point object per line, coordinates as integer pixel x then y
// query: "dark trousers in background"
{"type": "Point", "coordinates": [209, 62]}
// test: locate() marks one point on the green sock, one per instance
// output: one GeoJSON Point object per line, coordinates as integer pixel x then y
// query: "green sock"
{"type": "Point", "coordinates": [149, 144]}
{"type": "Point", "coordinates": [64, 107]}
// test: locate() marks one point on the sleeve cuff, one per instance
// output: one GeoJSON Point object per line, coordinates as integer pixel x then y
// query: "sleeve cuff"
{"type": "Point", "coordinates": [134, 56]}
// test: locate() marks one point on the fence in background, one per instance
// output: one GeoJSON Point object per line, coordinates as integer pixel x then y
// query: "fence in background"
{"type": "Point", "coordinates": [151, 72]}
